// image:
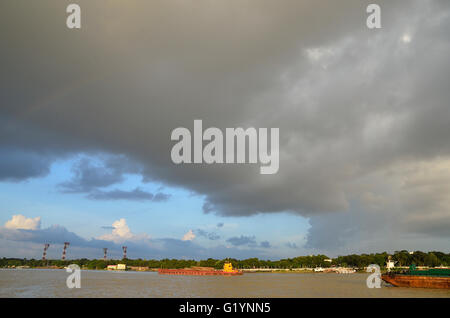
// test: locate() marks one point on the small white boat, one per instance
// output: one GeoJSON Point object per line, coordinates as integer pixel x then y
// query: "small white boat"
{"type": "Point", "coordinates": [344, 270]}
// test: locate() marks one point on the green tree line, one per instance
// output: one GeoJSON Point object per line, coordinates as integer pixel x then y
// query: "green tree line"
{"type": "Point", "coordinates": [402, 258]}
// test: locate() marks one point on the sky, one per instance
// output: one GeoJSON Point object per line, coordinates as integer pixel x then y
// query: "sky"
{"type": "Point", "coordinates": [86, 117]}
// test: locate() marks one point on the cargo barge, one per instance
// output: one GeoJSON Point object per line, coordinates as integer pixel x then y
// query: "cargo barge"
{"type": "Point", "coordinates": [432, 278]}
{"type": "Point", "coordinates": [198, 271]}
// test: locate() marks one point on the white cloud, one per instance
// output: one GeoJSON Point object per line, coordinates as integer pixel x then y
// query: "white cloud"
{"type": "Point", "coordinates": [122, 232]}
{"type": "Point", "coordinates": [21, 222]}
{"type": "Point", "coordinates": [316, 54]}
{"type": "Point", "coordinates": [29, 243]}
{"type": "Point", "coordinates": [406, 38]}
{"type": "Point", "coordinates": [189, 236]}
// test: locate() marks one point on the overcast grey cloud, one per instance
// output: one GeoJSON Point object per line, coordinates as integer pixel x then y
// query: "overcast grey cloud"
{"type": "Point", "coordinates": [18, 165]}
{"type": "Point", "coordinates": [89, 177]}
{"type": "Point", "coordinates": [136, 194]}
{"type": "Point", "coordinates": [209, 235]}
{"type": "Point", "coordinates": [242, 240]}
{"type": "Point", "coordinates": [265, 244]}
{"type": "Point", "coordinates": [293, 245]}
{"type": "Point", "coordinates": [360, 111]}
{"type": "Point", "coordinates": [249, 241]}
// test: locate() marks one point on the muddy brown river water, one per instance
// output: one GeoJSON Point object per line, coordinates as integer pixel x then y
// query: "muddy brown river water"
{"type": "Point", "coordinates": [52, 283]}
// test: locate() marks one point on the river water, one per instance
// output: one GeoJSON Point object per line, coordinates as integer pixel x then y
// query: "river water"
{"type": "Point", "coordinates": [52, 283]}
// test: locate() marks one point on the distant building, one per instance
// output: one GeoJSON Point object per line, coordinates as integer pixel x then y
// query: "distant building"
{"type": "Point", "coordinates": [139, 268]}
{"type": "Point", "coordinates": [411, 253]}
{"type": "Point", "coordinates": [329, 260]}
{"type": "Point", "coordinates": [118, 267]}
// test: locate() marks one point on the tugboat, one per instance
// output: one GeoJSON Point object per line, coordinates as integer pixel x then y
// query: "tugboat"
{"type": "Point", "coordinates": [202, 271]}
{"type": "Point", "coordinates": [432, 278]}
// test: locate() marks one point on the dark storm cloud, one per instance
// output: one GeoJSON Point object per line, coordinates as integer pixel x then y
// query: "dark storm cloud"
{"type": "Point", "coordinates": [18, 165]}
{"type": "Point", "coordinates": [350, 102]}
{"type": "Point", "coordinates": [377, 220]}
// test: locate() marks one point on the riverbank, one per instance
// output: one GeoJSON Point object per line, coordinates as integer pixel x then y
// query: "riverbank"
{"type": "Point", "coordinates": [245, 271]}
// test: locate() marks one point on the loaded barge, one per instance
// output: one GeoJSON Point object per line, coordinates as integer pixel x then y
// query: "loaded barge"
{"type": "Point", "coordinates": [202, 271]}
{"type": "Point", "coordinates": [432, 278]}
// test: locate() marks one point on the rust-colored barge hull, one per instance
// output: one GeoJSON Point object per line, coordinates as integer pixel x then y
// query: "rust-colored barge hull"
{"type": "Point", "coordinates": [417, 281]}
{"type": "Point", "coordinates": [197, 272]}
